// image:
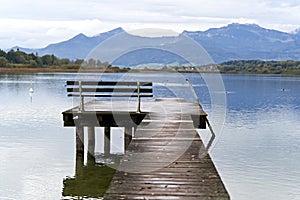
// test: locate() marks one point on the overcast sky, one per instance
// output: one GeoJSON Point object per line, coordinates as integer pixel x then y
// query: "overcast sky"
{"type": "Point", "coordinates": [37, 23]}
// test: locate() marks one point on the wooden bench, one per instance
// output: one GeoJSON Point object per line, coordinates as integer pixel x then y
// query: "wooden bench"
{"type": "Point", "coordinates": [100, 89]}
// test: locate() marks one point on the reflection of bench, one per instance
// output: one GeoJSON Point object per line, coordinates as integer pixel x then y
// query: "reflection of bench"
{"type": "Point", "coordinates": [112, 89]}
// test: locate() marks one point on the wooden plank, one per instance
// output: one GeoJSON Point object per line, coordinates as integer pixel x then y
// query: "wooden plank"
{"type": "Point", "coordinates": [165, 158]}
{"type": "Point", "coordinates": [111, 83]}
{"type": "Point", "coordinates": [163, 162]}
{"type": "Point", "coordinates": [111, 95]}
{"type": "Point", "coordinates": [147, 106]}
{"type": "Point", "coordinates": [101, 110]}
{"type": "Point", "coordinates": [115, 90]}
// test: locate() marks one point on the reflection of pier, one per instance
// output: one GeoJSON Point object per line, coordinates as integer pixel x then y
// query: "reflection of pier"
{"type": "Point", "coordinates": [91, 180]}
{"type": "Point", "coordinates": [164, 158]}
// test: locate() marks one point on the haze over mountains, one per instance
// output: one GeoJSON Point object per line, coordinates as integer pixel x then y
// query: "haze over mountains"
{"type": "Point", "coordinates": [233, 42]}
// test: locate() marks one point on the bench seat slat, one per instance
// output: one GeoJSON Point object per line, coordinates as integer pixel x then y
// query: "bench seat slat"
{"type": "Point", "coordinates": [110, 95]}
{"type": "Point", "coordinates": [111, 83]}
{"type": "Point", "coordinates": [113, 90]}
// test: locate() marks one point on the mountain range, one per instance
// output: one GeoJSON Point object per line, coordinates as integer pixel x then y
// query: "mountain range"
{"type": "Point", "coordinates": [232, 42]}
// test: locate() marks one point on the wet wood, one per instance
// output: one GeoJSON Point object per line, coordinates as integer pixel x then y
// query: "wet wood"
{"type": "Point", "coordinates": [114, 89]}
{"type": "Point", "coordinates": [107, 140]}
{"type": "Point", "coordinates": [166, 160]}
{"type": "Point", "coordinates": [123, 113]}
{"type": "Point", "coordinates": [80, 139]}
{"type": "Point", "coordinates": [91, 146]}
{"type": "Point", "coordinates": [127, 136]}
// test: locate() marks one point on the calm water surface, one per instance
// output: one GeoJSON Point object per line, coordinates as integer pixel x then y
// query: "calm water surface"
{"type": "Point", "coordinates": [257, 154]}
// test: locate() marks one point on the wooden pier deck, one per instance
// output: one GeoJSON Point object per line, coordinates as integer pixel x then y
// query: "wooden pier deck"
{"type": "Point", "coordinates": [165, 159]}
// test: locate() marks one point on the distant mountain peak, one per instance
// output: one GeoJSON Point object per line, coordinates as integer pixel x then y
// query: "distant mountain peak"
{"type": "Point", "coordinates": [232, 42]}
{"type": "Point", "coordinates": [111, 32]}
{"type": "Point", "coordinates": [231, 26]}
{"type": "Point", "coordinates": [80, 35]}
{"type": "Point", "coordinates": [246, 26]}
{"type": "Point", "coordinates": [243, 25]}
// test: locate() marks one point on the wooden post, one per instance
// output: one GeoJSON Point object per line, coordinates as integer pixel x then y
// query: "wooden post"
{"type": "Point", "coordinates": [81, 104]}
{"type": "Point", "coordinates": [79, 150]}
{"type": "Point", "coordinates": [134, 130]}
{"type": "Point", "coordinates": [80, 140]}
{"type": "Point", "coordinates": [79, 164]}
{"type": "Point", "coordinates": [127, 136]}
{"type": "Point", "coordinates": [91, 146]}
{"type": "Point", "coordinates": [107, 140]}
{"type": "Point", "coordinates": [139, 98]}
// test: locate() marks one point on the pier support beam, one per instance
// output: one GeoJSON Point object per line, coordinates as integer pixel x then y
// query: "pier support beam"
{"type": "Point", "coordinates": [91, 146]}
{"type": "Point", "coordinates": [79, 165]}
{"type": "Point", "coordinates": [80, 140]}
{"type": "Point", "coordinates": [127, 136]}
{"type": "Point", "coordinates": [79, 150]}
{"type": "Point", "coordinates": [107, 140]}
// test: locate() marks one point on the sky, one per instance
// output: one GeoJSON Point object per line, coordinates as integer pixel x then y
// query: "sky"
{"type": "Point", "coordinates": [37, 23]}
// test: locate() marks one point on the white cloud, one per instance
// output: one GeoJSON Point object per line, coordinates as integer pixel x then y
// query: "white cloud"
{"type": "Point", "coordinates": [39, 33]}
{"type": "Point", "coordinates": [34, 23]}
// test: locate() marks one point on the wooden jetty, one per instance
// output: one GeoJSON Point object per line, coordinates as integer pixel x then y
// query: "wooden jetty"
{"type": "Point", "coordinates": [164, 158]}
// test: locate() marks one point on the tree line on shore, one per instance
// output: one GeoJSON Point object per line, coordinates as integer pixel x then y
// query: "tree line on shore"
{"type": "Point", "coordinates": [260, 67]}
{"type": "Point", "coordinates": [20, 59]}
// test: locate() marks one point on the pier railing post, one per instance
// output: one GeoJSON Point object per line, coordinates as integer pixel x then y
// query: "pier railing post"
{"type": "Point", "coordinates": [193, 92]}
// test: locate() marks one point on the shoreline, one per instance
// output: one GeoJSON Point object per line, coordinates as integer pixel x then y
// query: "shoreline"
{"type": "Point", "coordinates": [53, 70]}
{"type": "Point", "coordinates": [4, 70]}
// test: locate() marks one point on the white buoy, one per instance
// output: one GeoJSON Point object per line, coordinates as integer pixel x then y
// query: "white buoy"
{"type": "Point", "coordinates": [31, 89]}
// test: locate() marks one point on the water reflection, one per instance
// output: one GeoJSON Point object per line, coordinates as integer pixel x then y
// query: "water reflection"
{"type": "Point", "coordinates": [90, 180]}
{"type": "Point", "coordinates": [257, 155]}
{"type": "Point", "coordinates": [95, 165]}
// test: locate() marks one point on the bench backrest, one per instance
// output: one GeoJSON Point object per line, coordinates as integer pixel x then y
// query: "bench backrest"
{"type": "Point", "coordinates": [109, 89]}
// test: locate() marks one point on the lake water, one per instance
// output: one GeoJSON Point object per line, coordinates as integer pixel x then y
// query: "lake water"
{"type": "Point", "coordinates": [257, 153]}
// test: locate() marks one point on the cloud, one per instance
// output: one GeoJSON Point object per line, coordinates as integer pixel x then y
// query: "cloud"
{"type": "Point", "coordinates": [39, 33]}
{"type": "Point", "coordinates": [35, 23]}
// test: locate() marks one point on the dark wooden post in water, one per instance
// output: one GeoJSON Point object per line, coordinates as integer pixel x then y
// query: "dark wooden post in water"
{"type": "Point", "coordinates": [106, 140]}
{"type": "Point", "coordinates": [79, 150]}
{"type": "Point", "coordinates": [127, 136]}
{"type": "Point", "coordinates": [91, 146]}
{"type": "Point", "coordinates": [79, 140]}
